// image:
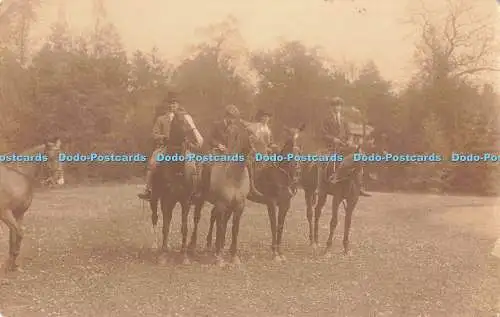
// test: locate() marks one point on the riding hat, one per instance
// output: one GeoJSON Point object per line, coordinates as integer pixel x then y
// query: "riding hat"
{"type": "Point", "coordinates": [232, 111]}
{"type": "Point", "coordinates": [337, 101]}
{"type": "Point", "coordinates": [171, 98]}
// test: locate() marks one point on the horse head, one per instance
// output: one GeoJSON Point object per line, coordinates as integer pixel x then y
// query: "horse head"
{"type": "Point", "coordinates": [292, 167]}
{"type": "Point", "coordinates": [241, 138]}
{"type": "Point", "coordinates": [183, 128]}
{"type": "Point", "coordinates": [54, 165]}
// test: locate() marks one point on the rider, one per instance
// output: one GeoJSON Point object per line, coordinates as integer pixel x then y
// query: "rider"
{"type": "Point", "coordinates": [219, 140]}
{"type": "Point", "coordinates": [161, 131]}
{"type": "Point", "coordinates": [335, 131]}
{"type": "Point", "coordinates": [264, 137]}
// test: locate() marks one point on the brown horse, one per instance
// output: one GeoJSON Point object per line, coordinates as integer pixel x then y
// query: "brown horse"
{"type": "Point", "coordinates": [314, 181]}
{"type": "Point", "coordinates": [176, 182]}
{"type": "Point", "coordinates": [275, 180]}
{"type": "Point", "coordinates": [17, 182]}
{"type": "Point", "coordinates": [226, 186]}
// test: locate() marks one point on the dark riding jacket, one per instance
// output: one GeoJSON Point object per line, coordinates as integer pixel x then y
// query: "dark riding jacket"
{"type": "Point", "coordinates": [219, 134]}
{"type": "Point", "coordinates": [331, 129]}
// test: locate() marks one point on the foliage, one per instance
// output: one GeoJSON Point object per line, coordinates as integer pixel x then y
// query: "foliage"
{"type": "Point", "coordinates": [86, 90]}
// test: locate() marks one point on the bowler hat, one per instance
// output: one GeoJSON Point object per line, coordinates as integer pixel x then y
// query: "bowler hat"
{"type": "Point", "coordinates": [337, 101]}
{"type": "Point", "coordinates": [171, 98]}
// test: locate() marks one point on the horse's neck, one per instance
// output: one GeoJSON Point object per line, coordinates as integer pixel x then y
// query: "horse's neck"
{"type": "Point", "coordinates": [30, 169]}
{"type": "Point", "coordinates": [235, 171]}
{"type": "Point", "coordinates": [177, 135]}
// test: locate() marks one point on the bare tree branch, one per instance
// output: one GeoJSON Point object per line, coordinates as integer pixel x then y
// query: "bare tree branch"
{"type": "Point", "coordinates": [472, 71]}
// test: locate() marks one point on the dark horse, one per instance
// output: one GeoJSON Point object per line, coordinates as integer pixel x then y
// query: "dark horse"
{"type": "Point", "coordinates": [275, 180]}
{"type": "Point", "coordinates": [226, 185]}
{"type": "Point", "coordinates": [17, 182]}
{"type": "Point", "coordinates": [314, 181]}
{"type": "Point", "coordinates": [176, 182]}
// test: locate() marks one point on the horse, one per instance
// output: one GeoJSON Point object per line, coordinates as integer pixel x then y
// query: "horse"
{"type": "Point", "coordinates": [274, 180]}
{"type": "Point", "coordinates": [346, 190]}
{"type": "Point", "coordinates": [17, 183]}
{"type": "Point", "coordinates": [176, 182]}
{"type": "Point", "coordinates": [226, 186]}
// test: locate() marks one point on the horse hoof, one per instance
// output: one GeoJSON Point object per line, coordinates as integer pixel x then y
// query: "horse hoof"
{"type": "Point", "coordinates": [236, 260]}
{"type": "Point", "coordinates": [328, 254]}
{"type": "Point", "coordinates": [220, 262]}
{"type": "Point", "coordinates": [162, 259]}
{"type": "Point", "coordinates": [186, 261]}
{"type": "Point", "coordinates": [277, 259]}
{"type": "Point", "coordinates": [282, 257]}
{"type": "Point", "coordinates": [348, 253]}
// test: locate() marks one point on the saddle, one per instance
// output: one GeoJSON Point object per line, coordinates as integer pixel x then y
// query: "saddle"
{"type": "Point", "coordinates": [335, 172]}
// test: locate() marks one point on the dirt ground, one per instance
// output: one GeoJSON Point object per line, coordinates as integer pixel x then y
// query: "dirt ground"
{"type": "Point", "coordinates": [87, 252]}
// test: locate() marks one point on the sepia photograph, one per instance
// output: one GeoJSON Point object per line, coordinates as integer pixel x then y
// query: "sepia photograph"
{"type": "Point", "coordinates": [285, 158]}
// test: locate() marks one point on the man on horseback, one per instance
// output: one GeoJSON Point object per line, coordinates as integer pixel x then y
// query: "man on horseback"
{"type": "Point", "coordinates": [161, 132]}
{"type": "Point", "coordinates": [335, 132]}
{"type": "Point", "coordinates": [218, 140]}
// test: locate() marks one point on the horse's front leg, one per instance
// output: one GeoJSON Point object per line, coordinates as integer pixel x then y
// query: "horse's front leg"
{"type": "Point", "coordinates": [271, 211]}
{"type": "Point", "coordinates": [213, 217]}
{"type": "Point", "coordinates": [352, 200]}
{"type": "Point", "coordinates": [235, 231]}
{"type": "Point", "coordinates": [336, 201]}
{"type": "Point", "coordinates": [309, 198]}
{"type": "Point", "coordinates": [185, 206]}
{"type": "Point", "coordinates": [322, 196]}
{"type": "Point", "coordinates": [167, 208]}
{"type": "Point", "coordinates": [153, 204]}
{"type": "Point", "coordinates": [196, 221]}
{"type": "Point", "coordinates": [219, 210]}
{"type": "Point", "coordinates": [15, 237]}
{"type": "Point", "coordinates": [283, 208]}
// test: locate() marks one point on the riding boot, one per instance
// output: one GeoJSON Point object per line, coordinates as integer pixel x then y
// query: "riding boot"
{"type": "Point", "coordinates": [146, 194]}
{"type": "Point", "coordinates": [254, 193]}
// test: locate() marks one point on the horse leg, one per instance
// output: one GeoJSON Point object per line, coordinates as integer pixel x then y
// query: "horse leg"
{"type": "Point", "coordinates": [284, 206]}
{"type": "Point", "coordinates": [351, 204]}
{"type": "Point", "coordinates": [17, 246]}
{"type": "Point", "coordinates": [154, 219]}
{"type": "Point", "coordinates": [271, 211]}
{"type": "Point", "coordinates": [196, 221]}
{"type": "Point", "coordinates": [235, 231]}
{"type": "Point", "coordinates": [15, 237]}
{"type": "Point", "coordinates": [213, 216]}
{"type": "Point", "coordinates": [227, 215]}
{"type": "Point", "coordinates": [219, 211]}
{"type": "Point", "coordinates": [309, 196]}
{"type": "Point", "coordinates": [185, 206]}
{"type": "Point", "coordinates": [167, 207]}
{"type": "Point", "coordinates": [317, 214]}
{"type": "Point", "coordinates": [336, 201]}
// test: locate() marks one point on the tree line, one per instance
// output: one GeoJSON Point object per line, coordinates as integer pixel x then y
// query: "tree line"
{"type": "Point", "coordinates": [96, 97]}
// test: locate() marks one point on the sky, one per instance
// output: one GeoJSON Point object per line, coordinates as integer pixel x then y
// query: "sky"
{"type": "Point", "coordinates": [338, 27]}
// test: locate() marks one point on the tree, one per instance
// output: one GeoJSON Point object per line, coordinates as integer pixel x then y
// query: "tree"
{"type": "Point", "coordinates": [295, 84]}
{"type": "Point", "coordinates": [214, 75]}
{"type": "Point", "coordinates": [459, 45]}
